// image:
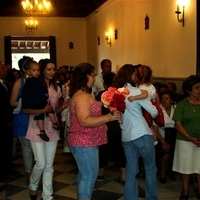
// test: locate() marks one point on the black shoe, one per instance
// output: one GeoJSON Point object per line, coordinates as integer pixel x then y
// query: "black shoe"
{"type": "Point", "coordinates": [198, 196]}
{"type": "Point", "coordinates": [33, 197]}
{"type": "Point", "coordinates": [121, 182]}
{"type": "Point", "coordinates": [183, 196]}
{"type": "Point", "coordinates": [171, 175]}
{"type": "Point", "coordinates": [163, 180]}
{"type": "Point", "coordinates": [56, 126]}
{"type": "Point", "coordinates": [43, 136]}
{"type": "Point", "coordinates": [100, 178]}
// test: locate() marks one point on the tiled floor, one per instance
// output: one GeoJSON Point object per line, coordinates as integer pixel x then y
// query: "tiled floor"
{"type": "Point", "coordinates": [64, 182]}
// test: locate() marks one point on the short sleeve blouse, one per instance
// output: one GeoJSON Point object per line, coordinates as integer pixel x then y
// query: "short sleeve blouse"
{"type": "Point", "coordinates": [189, 116]}
{"type": "Point", "coordinates": [150, 89]}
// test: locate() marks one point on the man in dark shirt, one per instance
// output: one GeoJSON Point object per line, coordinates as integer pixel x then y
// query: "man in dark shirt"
{"type": "Point", "coordinates": [6, 138]}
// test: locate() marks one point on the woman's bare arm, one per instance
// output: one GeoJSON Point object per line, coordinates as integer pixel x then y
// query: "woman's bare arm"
{"type": "Point", "coordinates": [82, 104]}
{"type": "Point", "coordinates": [143, 95]}
{"type": "Point", "coordinates": [185, 134]}
{"type": "Point", "coordinates": [15, 93]}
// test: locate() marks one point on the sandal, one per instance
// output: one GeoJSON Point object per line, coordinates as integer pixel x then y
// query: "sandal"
{"type": "Point", "coordinates": [43, 136]}
{"type": "Point", "coordinates": [56, 126]}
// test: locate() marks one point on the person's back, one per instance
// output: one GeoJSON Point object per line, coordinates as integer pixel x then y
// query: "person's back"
{"type": "Point", "coordinates": [134, 124]}
{"type": "Point", "coordinates": [148, 91]}
{"type": "Point", "coordinates": [34, 95]}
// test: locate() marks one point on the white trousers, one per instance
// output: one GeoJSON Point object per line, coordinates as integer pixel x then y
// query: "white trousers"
{"type": "Point", "coordinates": [44, 154]}
{"type": "Point", "coordinates": [27, 154]}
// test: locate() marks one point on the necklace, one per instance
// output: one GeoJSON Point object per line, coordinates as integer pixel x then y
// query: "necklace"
{"type": "Point", "coordinates": [195, 109]}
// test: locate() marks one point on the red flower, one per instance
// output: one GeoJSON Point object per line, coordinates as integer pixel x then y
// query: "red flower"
{"type": "Point", "coordinates": [118, 102]}
{"type": "Point", "coordinates": [114, 99]}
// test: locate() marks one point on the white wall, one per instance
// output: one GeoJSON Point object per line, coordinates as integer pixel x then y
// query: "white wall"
{"type": "Point", "coordinates": [64, 29]}
{"type": "Point", "coordinates": [167, 47]}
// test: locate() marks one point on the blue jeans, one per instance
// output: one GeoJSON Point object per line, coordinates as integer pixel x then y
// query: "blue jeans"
{"type": "Point", "coordinates": [143, 147]}
{"type": "Point", "coordinates": [87, 160]}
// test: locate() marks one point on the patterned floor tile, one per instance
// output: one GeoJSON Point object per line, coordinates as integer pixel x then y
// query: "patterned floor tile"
{"type": "Point", "coordinates": [65, 172]}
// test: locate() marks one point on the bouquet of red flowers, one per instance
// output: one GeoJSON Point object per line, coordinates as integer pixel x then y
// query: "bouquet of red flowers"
{"type": "Point", "coordinates": [114, 99]}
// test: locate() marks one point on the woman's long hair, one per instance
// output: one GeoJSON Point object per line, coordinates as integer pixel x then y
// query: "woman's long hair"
{"type": "Point", "coordinates": [43, 64]}
{"type": "Point", "coordinates": [144, 74]}
{"type": "Point", "coordinates": [79, 78]}
{"type": "Point", "coordinates": [123, 76]}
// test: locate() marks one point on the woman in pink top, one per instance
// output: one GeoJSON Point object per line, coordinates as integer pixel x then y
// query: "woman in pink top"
{"type": "Point", "coordinates": [87, 128]}
{"type": "Point", "coordinates": [44, 152]}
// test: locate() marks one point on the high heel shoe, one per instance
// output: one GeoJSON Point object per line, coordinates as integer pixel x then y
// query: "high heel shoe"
{"type": "Point", "coordinates": [163, 180]}
{"type": "Point", "coordinates": [183, 196]}
{"type": "Point", "coordinates": [33, 197]}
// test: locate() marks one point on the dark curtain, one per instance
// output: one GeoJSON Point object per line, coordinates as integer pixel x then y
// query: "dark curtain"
{"type": "Point", "coordinates": [52, 44]}
{"type": "Point", "coordinates": [198, 38]}
{"type": "Point", "coordinates": [7, 50]}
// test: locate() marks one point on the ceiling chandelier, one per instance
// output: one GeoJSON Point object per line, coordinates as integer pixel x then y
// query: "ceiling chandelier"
{"type": "Point", "coordinates": [31, 25]}
{"type": "Point", "coordinates": [36, 7]}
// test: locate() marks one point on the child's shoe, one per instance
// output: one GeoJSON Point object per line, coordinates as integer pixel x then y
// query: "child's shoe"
{"type": "Point", "coordinates": [56, 126]}
{"type": "Point", "coordinates": [43, 136]}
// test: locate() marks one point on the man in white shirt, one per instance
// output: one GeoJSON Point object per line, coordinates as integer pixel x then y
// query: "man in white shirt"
{"type": "Point", "coordinates": [106, 67]}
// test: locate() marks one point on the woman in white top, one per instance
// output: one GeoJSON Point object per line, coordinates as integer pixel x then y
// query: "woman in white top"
{"type": "Point", "coordinates": [166, 135]}
{"type": "Point", "coordinates": [137, 137]}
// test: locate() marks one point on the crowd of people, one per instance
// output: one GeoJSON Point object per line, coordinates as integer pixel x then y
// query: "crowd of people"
{"type": "Point", "coordinates": [39, 100]}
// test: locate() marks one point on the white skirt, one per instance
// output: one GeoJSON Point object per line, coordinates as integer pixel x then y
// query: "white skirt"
{"type": "Point", "coordinates": [186, 158]}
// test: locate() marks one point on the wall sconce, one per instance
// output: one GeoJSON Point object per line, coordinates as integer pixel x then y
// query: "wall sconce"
{"type": "Point", "coordinates": [178, 12]}
{"type": "Point", "coordinates": [108, 38]}
{"type": "Point", "coordinates": [31, 25]}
